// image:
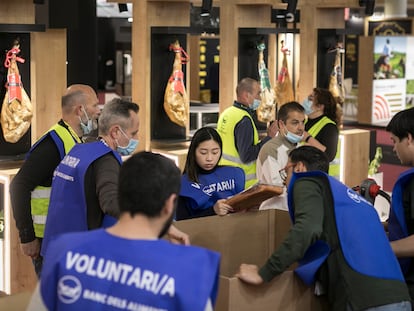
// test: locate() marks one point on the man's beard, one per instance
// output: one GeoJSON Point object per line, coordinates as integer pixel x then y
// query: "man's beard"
{"type": "Point", "coordinates": [166, 226]}
{"type": "Point", "coordinates": [169, 221]}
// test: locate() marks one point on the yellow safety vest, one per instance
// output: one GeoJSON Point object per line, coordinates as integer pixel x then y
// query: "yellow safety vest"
{"type": "Point", "coordinates": [225, 127]}
{"type": "Point", "coordinates": [313, 131]}
{"type": "Point", "coordinates": [40, 196]}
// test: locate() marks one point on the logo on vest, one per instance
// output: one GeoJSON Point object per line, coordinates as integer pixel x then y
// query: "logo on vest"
{"type": "Point", "coordinates": [195, 185]}
{"type": "Point", "coordinates": [69, 289]}
{"type": "Point", "coordinates": [226, 185]}
{"type": "Point", "coordinates": [353, 195]}
{"type": "Point", "coordinates": [70, 161]}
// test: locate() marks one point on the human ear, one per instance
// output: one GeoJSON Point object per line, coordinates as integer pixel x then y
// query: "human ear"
{"type": "Point", "coordinates": [300, 167]}
{"type": "Point", "coordinates": [170, 203]}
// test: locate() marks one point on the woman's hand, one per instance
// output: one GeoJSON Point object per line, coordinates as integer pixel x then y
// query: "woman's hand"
{"type": "Point", "coordinates": [221, 208]}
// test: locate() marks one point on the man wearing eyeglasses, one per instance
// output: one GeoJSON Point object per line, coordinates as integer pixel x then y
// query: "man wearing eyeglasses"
{"type": "Point", "coordinates": [273, 156]}
{"type": "Point", "coordinates": [338, 240]}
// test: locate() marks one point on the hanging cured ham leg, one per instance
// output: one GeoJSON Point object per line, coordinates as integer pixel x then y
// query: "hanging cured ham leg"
{"type": "Point", "coordinates": [284, 89]}
{"type": "Point", "coordinates": [336, 86]}
{"type": "Point", "coordinates": [335, 82]}
{"type": "Point", "coordinates": [16, 112]}
{"type": "Point", "coordinates": [266, 110]}
{"type": "Point", "coordinates": [176, 102]}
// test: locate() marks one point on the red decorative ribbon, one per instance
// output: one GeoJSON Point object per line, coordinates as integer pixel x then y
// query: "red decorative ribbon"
{"type": "Point", "coordinates": [12, 54]}
{"type": "Point", "coordinates": [184, 59]}
{"type": "Point", "coordinates": [282, 75]}
{"type": "Point", "coordinates": [177, 80]}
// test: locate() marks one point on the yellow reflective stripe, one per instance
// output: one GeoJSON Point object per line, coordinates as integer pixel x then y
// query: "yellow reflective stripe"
{"type": "Point", "coordinates": [39, 219]}
{"type": "Point", "coordinates": [41, 193]}
{"type": "Point", "coordinates": [39, 230]}
{"type": "Point", "coordinates": [317, 127]}
{"type": "Point", "coordinates": [250, 176]}
{"type": "Point", "coordinates": [235, 159]}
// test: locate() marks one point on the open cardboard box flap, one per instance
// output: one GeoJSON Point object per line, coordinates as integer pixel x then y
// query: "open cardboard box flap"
{"type": "Point", "coordinates": [251, 237]}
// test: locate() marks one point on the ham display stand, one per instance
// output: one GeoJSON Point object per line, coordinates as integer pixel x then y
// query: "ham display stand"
{"type": "Point", "coordinates": [162, 59]}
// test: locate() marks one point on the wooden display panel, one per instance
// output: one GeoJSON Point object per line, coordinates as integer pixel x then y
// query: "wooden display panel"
{"type": "Point", "coordinates": [48, 78]}
{"type": "Point", "coordinates": [355, 156]}
{"type": "Point", "coordinates": [365, 74]}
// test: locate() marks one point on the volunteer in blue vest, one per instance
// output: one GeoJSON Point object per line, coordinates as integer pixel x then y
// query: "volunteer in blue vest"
{"type": "Point", "coordinates": [30, 188]}
{"type": "Point", "coordinates": [85, 184]}
{"type": "Point", "coordinates": [339, 241]}
{"type": "Point", "coordinates": [241, 143]}
{"type": "Point", "coordinates": [323, 121]}
{"type": "Point", "coordinates": [401, 219]}
{"type": "Point", "coordinates": [205, 185]}
{"type": "Point", "coordinates": [128, 266]}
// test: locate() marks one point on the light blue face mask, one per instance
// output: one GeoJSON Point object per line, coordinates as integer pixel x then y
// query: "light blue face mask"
{"type": "Point", "coordinates": [255, 105]}
{"type": "Point", "coordinates": [307, 104]}
{"type": "Point", "coordinates": [88, 127]}
{"type": "Point", "coordinates": [293, 138]}
{"type": "Point", "coordinates": [129, 149]}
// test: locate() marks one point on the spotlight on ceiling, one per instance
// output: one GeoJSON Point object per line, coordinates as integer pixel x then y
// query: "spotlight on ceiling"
{"type": "Point", "coordinates": [206, 7]}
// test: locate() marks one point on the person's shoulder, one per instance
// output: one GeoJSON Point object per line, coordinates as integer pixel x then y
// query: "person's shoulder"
{"type": "Point", "coordinates": [315, 178]}
{"type": "Point", "coordinates": [271, 146]}
{"type": "Point", "coordinates": [231, 169]}
{"type": "Point", "coordinates": [78, 238]}
{"type": "Point", "coordinates": [72, 241]}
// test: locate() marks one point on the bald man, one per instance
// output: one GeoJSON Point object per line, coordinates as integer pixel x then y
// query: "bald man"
{"type": "Point", "coordinates": [30, 188]}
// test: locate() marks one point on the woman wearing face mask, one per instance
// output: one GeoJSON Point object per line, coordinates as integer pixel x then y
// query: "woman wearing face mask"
{"type": "Point", "coordinates": [321, 128]}
{"type": "Point", "coordinates": [204, 184]}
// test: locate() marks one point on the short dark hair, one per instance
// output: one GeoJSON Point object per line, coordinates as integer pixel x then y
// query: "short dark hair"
{"type": "Point", "coordinates": [203, 134]}
{"type": "Point", "coordinates": [402, 123]}
{"type": "Point", "coordinates": [325, 97]}
{"type": "Point", "coordinates": [284, 111]}
{"type": "Point", "coordinates": [245, 85]}
{"type": "Point", "coordinates": [313, 158]}
{"type": "Point", "coordinates": [146, 181]}
{"type": "Point", "coordinates": [71, 99]}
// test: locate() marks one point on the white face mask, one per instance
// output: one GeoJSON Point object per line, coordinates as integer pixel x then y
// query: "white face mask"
{"type": "Point", "coordinates": [293, 138]}
{"type": "Point", "coordinates": [89, 126]}
{"type": "Point", "coordinates": [307, 104]}
{"type": "Point", "coordinates": [256, 104]}
{"type": "Point", "coordinates": [128, 149]}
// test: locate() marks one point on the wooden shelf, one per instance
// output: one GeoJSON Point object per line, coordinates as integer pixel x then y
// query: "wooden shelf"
{"type": "Point", "coordinates": [22, 28]}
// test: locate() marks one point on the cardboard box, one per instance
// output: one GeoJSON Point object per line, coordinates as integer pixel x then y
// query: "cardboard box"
{"type": "Point", "coordinates": [251, 237]}
{"type": "Point", "coordinates": [15, 302]}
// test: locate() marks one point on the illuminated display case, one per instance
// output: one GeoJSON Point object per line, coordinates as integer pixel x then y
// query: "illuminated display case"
{"type": "Point", "coordinates": [16, 270]}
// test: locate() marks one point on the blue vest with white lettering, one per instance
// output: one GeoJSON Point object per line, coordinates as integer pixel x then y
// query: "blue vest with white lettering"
{"type": "Point", "coordinates": [221, 183]}
{"type": "Point", "coordinates": [67, 207]}
{"type": "Point", "coordinates": [397, 226]}
{"type": "Point", "coordinates": [361, 235]}
{"type": "Point", "coordinates": [96, 270]}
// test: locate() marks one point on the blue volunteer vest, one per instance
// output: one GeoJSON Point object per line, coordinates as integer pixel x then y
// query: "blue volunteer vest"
{"type": "Point", "coordinates": [361, 236]}
{"type": "Point", "coordinates": [99, 271]}
{"type": "Point", "coordinates": [221, 183]}
{"type": "Point", "coordinates": [67, 208]}
{"type": "Point", "coordinates": [397, 226]}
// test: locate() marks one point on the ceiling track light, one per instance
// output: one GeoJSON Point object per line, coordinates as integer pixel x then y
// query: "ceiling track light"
{"type": "Point", "coordinates": [206, 7]}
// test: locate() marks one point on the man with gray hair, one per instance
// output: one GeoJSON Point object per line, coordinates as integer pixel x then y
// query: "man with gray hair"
{"type": "Point", "coordinates": [85, 185]}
